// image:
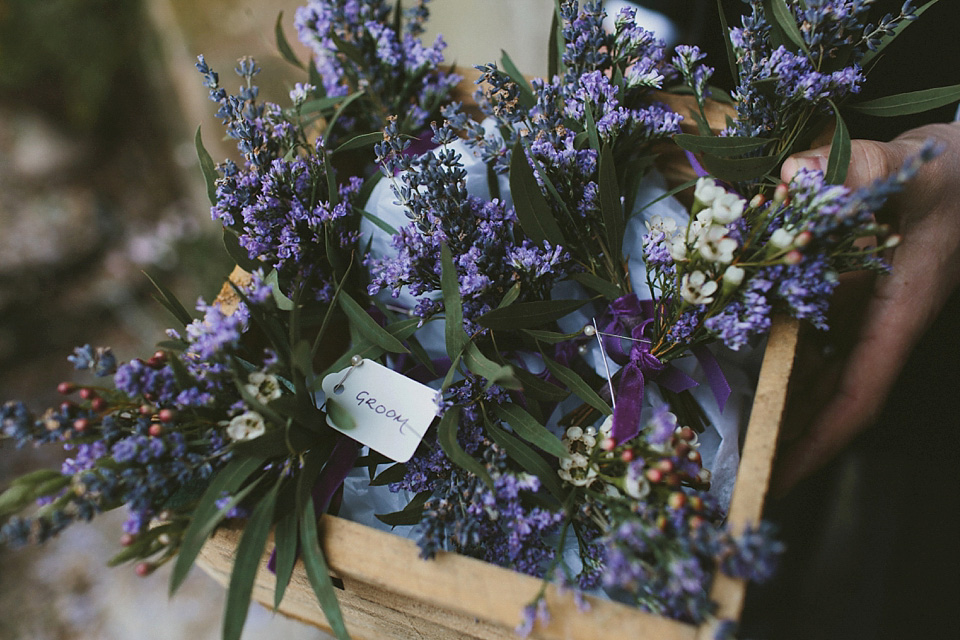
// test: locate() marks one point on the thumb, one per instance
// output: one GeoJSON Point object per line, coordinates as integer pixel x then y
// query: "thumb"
{"type": "Point", "coordinates": [869, 161]}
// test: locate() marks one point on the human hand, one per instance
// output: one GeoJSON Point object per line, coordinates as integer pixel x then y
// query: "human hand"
{"type": "Point", "coordinates": [875, 322]}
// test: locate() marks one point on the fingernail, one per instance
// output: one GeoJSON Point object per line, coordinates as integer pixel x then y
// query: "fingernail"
{"type": "Point", "coordinates": [793, 164]}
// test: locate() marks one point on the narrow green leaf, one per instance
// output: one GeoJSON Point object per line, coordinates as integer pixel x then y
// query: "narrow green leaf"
{"type": "Point", "coordinates": [245, 565]}
{"type": "Point", "coordinates": [551, 337]}
{"type": "Point", "coordinates": [368, 327]}
{"type": "Point", "coordinates": [393, 473]}
{"type": "Point", "coordinates": [604, 287]}
{"type": "Point", "coordinates": [591, 127]}
{"type": "Point", "coordinates": [321, 105]}
{"type": "Point", "coordinates": [285, 544]}
{"type": "Point", "coordinates": [530, 430]}
{"type": "Point", "coordinates": [170, 302]}
{"type": "Point", "coordinates": [283, 46]}
{"type": "Point", "coordinates": [481, 365]}
{"type": "Point", "coordinates": [529, 459]}
{"type": "Point", "coordinates": [283, 302]}
{"type": "Point", "coordinates": [360, 141]}
{"type": "Point", "coordinates": [451, 372]}
{"type": "Point", "coordinates": [319, 574]}
{"type": "Point", "coordinates": [386, 228]}
{"type": "Point", "coordinates": [537, 389]}
{"type": "Point", "coordinates": [557, 42]}
{"type": "Point", "coordinates": [456, 337]}
{"type": "Point", "coordinates": [340, 416]}
{"type": "Point", "coordinates": [788, 23]}
{"type": "Point", "coordinates": [15, 498]}
{"type": "Point", "coordinates": [207, 515]}
{"type": "Point", "coordinates": [738, 169]}
{"type": "Point", "coordinates": [909, 103]}
{"type": "Point", "coordinates": [237, 253]}
{"type": "Point", "coordinates": [527, 99]}
{"type": "Point", "coordinates": [554, 52]}
{"type": "Point", "coordinates": [577, 385]}
{"type": "Point", "coordinates": [36, 477]}
{"type": "Point", "coordinates": [528, 315]}
{"type": "Point", "coordinates": [510, 296]}
{"type": "Point", "coordinates": [839, 160]}
{"type": "Point", "coordinates": [533, 211]}
{"type": "Point", "coordinates": [723, 147]}
{"type": "Point", "coordinates": [728, 46]}
{"type": "Point", "coordinates": [447, 437]}
{"type": "Point", "coordinates": [208, 168]}
{"type": "Point", "coordinates": [610, 206]}
{"type": "Point", "coordinates": [409, 515]}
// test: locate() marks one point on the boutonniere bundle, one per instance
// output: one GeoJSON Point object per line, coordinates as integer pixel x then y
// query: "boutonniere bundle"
{"type": "Point", "coordinates": [499, 317]}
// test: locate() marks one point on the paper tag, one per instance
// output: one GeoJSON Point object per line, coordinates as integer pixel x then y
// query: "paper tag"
{"type": "Point", "coordinates": [391, 411]}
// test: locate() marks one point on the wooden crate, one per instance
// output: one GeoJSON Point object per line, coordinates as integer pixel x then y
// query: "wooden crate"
{"type": "Point", "coordinates": [389, 592]}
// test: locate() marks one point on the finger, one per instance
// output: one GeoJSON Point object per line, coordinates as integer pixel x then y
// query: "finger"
{"type": "Point", "coordinates": [874, 363]}
{"type": "Point", "coordinates": [869, 161]}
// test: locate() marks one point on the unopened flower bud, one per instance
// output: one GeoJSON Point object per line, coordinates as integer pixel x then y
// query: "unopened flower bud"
{"type": "Point", "coordinates": [127, 539]}
{"type": "Point", "coordinates": [167, 415]}
{"type": "Point", "coordinates": [665, 465]}
{"type": "Point", "coordinates": [608, 444]}
{"type": "Point", "coordinates": [155, 430]}
{"type": "Point", "coordinates": [780, 194]}
{"type": "Point", "coordinates": [81, 424]}
{"type": "Point", "coordinates": [144, 569]}
{"type": "Point", "coordinates": [66, 388]}
{"type": "Point", "coordinates": [87, 394]}
{"type": "Point", "coordinates": [654, 475]}
{"type": "Point", "coordinates": [892, 241]}
{"type": "Point", "coordinates": [781, 238]}
{"type": "Point", "coordinates": [98, 404]}
{"type": "Point", "coordinates": [803, 239]}
{"type": "Point", "coordinates": [793, 257]}
{"type": "Point", "coordinates": [677, 500]}
{"type": "Point", "coordinates": [733, 276]}
{"type": "Point", "coordinates": [758, 201]}
{"type": "Point", "coordinates": [627, 455]}
{"type": "Point", "coordinates": [145, 410]}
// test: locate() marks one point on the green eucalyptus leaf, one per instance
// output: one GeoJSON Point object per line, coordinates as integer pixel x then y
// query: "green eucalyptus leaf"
{"type": "Point", "coordinates": [610, 205]}
{"type": "Point", "coordinates": [528, 315]}
{"type": "Point", "coordinates": [839, 160]}
{"type": "Point", "coordinates": [533, 211]}
{"type": "Point", "coordinates": [368, 327]}
{"type": "Point", "coordinates": [534, 387]}
{"type": "Point", "coordinates": [456, 337]}
{"type": "Point", "coordinates": [340, 416]}
{"type": "Point", "coordinates": [530, 430]}
{"type": "Point", "coordinates": [360, 141]}
{"type": "Point", "coordinates": [607, 289]}
{"type": "Point", "coordinates": [738, 169]}
{"type": "Point", "coordinates": [283, 302]}
{"type": "Point", "coordinates": [286, 52]}
{"type": "Point", "coordinates": [529, 459]}
{"type": "Point", "coordinates": [246, 562]}
{"type": "Point", "coordinates": [493, 372]}
{"type": "Point", "coordinates": [285, 545]}
{"type": "Point", "coordinates": [447, 437]}
{"type": "Point", "coordinates": [591, 127]}
{"type": "Point", "coordinates": [909, 103]}
{"type": "Point", "coordinates": [237, 253]}
{"type": "Point", "coordinates": [554, 52]}
{"type": "Point", "coordinates": [409, 515]}
{"type": "Point", "coordinates": [208, 168]}
{"type": "Point", "coordinates": [383, 226]}
{"type": "Point", "coordinates": [510, 296]}
{"type": "Point", "coordinates": [170, 301]}
{"type": "Point", "coordinates": [393, 473]}
{"type": "Point", "coordinates": [728, 46]}
{"type": "Point", "coordinates": [551, 337]}
{"type": "Point", "coordinates": [318, 573]}
{"type": "Point", "coordinates": [206, 516]}
{"type": "Point", "coordinates": [723, 147]}
{"type": "Point", "coordinates": [578, 386]}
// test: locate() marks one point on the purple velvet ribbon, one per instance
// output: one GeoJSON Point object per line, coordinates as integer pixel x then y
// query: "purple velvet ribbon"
{"type": "Point", "coordinates": [695, 164]}
{"type": "Point", "coordinates": [631, 318]}
{"type": "Point", "coordinates": [342, 459]}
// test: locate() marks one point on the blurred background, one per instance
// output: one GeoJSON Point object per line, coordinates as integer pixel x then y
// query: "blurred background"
{"type": "Point", "coordinates": [99, 103]}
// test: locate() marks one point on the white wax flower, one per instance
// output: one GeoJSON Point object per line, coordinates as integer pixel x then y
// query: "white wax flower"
{"type": "Point", "coordinates": [636, 485]}
{"type": "Point", "coordinates": [715, 246]}
{"type": "Point", "coordinates": [678, 249]}
{"type": "Point", "coordinates": [246, 426]}
{"type": "Point", "coordinates": [668, 226]}
{"type": "Point", "coordinates": [733, 276]}
{"type": "Point", "coordinates": [727, 208]}
{"type": "Point", "coordinates": [265, 387]}
{"type": "Point", "coordinates": [781, 238]}
{"type": "Point", "coordinates": [696, 289]}
{"type": "Point", "coordinates": [707, 190]}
